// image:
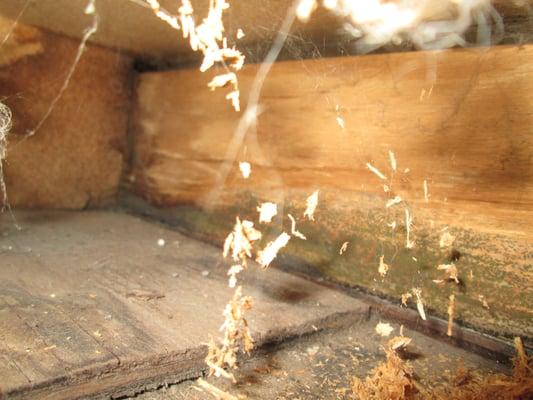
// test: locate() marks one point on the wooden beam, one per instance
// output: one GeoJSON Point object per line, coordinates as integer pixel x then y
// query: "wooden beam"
{"type": "Point", "coordinates": [75, 159]}
{"type": "Point", "coordinates": [460, 120]}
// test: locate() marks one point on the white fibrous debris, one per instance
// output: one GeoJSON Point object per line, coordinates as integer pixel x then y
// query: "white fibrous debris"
{"type": "Point", "coordinates": [305, 8]}
{"type": "Point", "coordinates": [294, 232]}
{"type": "Point", "coordinates": [376, 171]}
{"type": "Point", "coordinates": [405, 297]}
{"type": "Point", "coordinates": [446, 239]}
{"type": "Point", "coordinates": [483, 301]}
{"type": "Point", "coordinates": [383, 268]}
{"type": "Point", "coordinates": [392, 225]}
{"type": "Point", "coordinates": [426, 192]}
{"type": "Point", "coordinates": [408, 225]}
{"type": "Point", "coordinates": [239, 242]}
{"type": "Point", "coordinates": [90, 9]}
{"type": "Point", "coordinates": [419, 303]}
{"type": "Point", "coordinates": [392, 160]}
{"type": "Point", "coordinates": [246, 169]}
{"type": "Point", "coordinates": [451, 271]}
{"type": "Point", "coordinates": [343, 248]}
{"type": "Point", "coordinates": [232, 273]}
{"type": "Point", "coordinates": [267, 255]}
{"type": "Point", "coordinates": [393, 201]}
{"type": "Point", "coordinates": [311, 204]}
{"type": "Point", "coordinates": [384, 329]}
{"type": "Point", "coordinates": [240, 33]}
{"type": "Point", "coordinates": [382, 21]}
{"type": "Point", "coordinates": [340, 122]}
{"type": "Point", "coordinates": [267, 211]}
{"type": "Point", "coordinates": [208, 38]}
{"type": "Point", "coordinates": [386, 188]}
{"type": "Point", "coordinates": [406, 171]}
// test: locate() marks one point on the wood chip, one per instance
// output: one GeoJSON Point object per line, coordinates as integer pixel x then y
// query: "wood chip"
{"type": "Point", "coordinates": [383, 268]}
{"type": "Point", "coordinates": [393, 201]}
{"type": "Point", "coordinates": [376, 171]}
{"type": "Point", "coordinates": [267, 211]}
{"type": "Point", "coordinates": [392, 160]}
{"type": "Point", "coordinates": [343, 248]}
{"type": "Point", "coordinates": [294, 232]}
{"type": "Point", "coordinates": [311, 204]}
{"type": "Point", "coordinates": [269, 253]}
{"type": "Point", "coordinates": [246, 169]}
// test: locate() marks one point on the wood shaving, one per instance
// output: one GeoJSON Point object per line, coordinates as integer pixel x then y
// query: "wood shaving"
{"type": "Point", "coordinates": [214, 391]}
{"type": "Point", "coordinates": [246, 169]}
{"type": "Point", "coordinates": [384, 329]}
{"type": "Point", "coordinates": [343, 248]}
{"type": "Point", "coordinates": [267, 255]}
{"type": "Point", "coordinates": [451, 310]}
{"type": "Point", "coordinates": [239, 242]}
{"type": "Point", "coordinates": [386, 188]}
{"type": "Point", "coordinates": [446, 239]}
{"type": "Point", "coordinates": [408, 225]}
{"type": "Point", "coordinates": [240, 34]}
{"type": "Point", "coordinates": [311, 204]}
{"type": "Point", "coordinates": [450, 270]}
{"type": "Point", "coordinates": [376, 171]}
{"type": "Point", "coordinates": [399, 342]}
{"type": "Point", "coordinates": [294, 232]}
{"type": "Point", "coordinates": [405, 298]}
{"type": "Point", "coordinates": [208, 38]}
{"type": "Point", "coordinates": [393, 201]}
{"type": "Point", "coordinates": [392, 160]}
{"type": "Point", "coordinates": [340, 122]}
{"type": "Point", "coordinates": [232, 273]}
{"type": "Point", "coordinates": [267, 211]}
{"type": "Point", "coordinates": [417, 292]}
{"type": "Point", "coordinates": [383, 268]}
{"type": "Point", "coordinates": [483, 301]}
{"type": "Point", "coordinates": [236, 337]}
{"type": "Point", "coordinates": [392, 225]}
{"type": "Point", "coordinates": [426, 193]}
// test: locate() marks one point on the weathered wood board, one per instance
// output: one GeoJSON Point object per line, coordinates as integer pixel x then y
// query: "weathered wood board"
{"type": "Point", "coordinates": [462, 120]}
{"type": "Point", "coordinates": [92, 306]}
{"type": "Point", "coordinates": [76, 158]}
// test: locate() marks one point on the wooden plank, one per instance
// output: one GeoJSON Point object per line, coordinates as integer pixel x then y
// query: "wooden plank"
{"type": "Point", "coordinates": [468, 133]}
{"type": "Point", "coordinates": [66, 294]}
{"type": "Point", "coordinates": [75, 159]}
{"type": "Point", "coordinates": [137, 30]}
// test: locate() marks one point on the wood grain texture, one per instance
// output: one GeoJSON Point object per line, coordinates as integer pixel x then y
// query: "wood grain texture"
{"type": "Point", "coordinates": [75, 159]}
{"type": "Point", "coordinates": [459, 119]}
{"type": "Point", "coordinates": [71, 328]}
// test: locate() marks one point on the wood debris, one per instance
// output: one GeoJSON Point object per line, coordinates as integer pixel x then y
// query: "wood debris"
{"type": "Point", "coordinates": [343, 248]}
{"type": "Point", "coordinates": [408, 225]}
{"type": "Point", "coordinates": [451, 310]}
{"type": "Point", "coordinates": [232, 273]}
{"type": "Point", "coordinates": [214, 391]}
{"type": "Point", "coordinates": [246, 169]}
{"type": "Point", "coordinates": [426, 192]}
{"type": "Point", "coordinates": [340, 122]}
{"type": "Point", "coordinates": [208, 38]}
{"type": "Point", "coordinates": [393, 201]}
{"type": "Point", "coordinates": [483, 301]}
{"type": "Point", "coordinates": [417, 292]}
{"type": "Point", "coordinates": [267, 211]}
{"type": "Point", "coordinates": [305, 8]}
{"type": "Point", "coordinates": [392, 160]}
{"type": "Point", "coordinates": [450, 270]}
{"type": "Point", "coordinates": [446, 239]}
{"type": "Point", "coordinates": [376, 171]}
{"type": "Point", "coordinates": [267, 255]}
{"type": "Point", "coordinates": [311, 204]}
{"type": "Point", "coordinates": [399, 342]}
{"type": "Point", "coordinates": [240, 241]}
{"type": "Point", "coordinates": [294, 232]}
{"type": "Point", "coordinates": [240, 34]}
{"type": "Point", "coordinates": [384, 329]}
{"type": "Point", "coordinates": [383, 268]}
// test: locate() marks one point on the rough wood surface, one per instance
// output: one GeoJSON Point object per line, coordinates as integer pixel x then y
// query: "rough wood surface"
{"type": "Point", "coordinates": [468, 133]}
{"type": "Point", "coordinates": [92, 306]}
{"type": "Point", "coordinates": [137, 30]}
{"type": "Point", "coordinates": [75, 159]}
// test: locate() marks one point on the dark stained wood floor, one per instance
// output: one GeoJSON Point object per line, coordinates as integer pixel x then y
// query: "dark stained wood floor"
{"type": "Point", "coordinates": [92, 306]}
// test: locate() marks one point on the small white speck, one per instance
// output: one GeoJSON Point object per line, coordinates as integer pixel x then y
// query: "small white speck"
{"type": "Point", "coordinates": [205, 273]}
{"type": "Point", "coordinates": [175, 275]}
{"type": "Point", "coordinates": [53, 295]}
{"type": "Point", "coordinates": [161, 242]}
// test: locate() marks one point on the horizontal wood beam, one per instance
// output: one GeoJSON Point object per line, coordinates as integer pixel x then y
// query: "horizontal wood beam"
{"type": "Point", "coordinates": [460, 120]}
